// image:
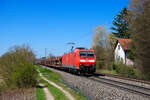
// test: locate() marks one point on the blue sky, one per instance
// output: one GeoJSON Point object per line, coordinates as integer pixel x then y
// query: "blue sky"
{"type": "Point", "coordinates": [53, 23]}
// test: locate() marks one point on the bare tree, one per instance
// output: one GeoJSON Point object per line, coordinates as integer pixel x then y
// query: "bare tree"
{"type": "Point", "coordinates": [99, 41]}
{"type": "Point", "coordinates": [103, 46]}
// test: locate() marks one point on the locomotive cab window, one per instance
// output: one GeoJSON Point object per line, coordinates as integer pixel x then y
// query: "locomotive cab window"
{"type": "Point", "coordinates": [83, 54]}
{"type": "Point", "coordinates": [86, 54]}
{"type": "Point", "coordinates": [90, 54]}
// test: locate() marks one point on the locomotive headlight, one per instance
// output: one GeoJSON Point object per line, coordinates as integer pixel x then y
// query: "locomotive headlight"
{"type": "Point", "coordinates": [91, 60]}
{"type": "Point", "coordinates": [82, 60]}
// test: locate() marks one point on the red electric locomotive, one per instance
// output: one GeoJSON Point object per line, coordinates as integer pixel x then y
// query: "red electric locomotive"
{"type": "Point", "coordinates": [80, 60]}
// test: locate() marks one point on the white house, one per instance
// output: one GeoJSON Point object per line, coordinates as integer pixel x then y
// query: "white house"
{"type": "Point", "coordinates": [122, 49]}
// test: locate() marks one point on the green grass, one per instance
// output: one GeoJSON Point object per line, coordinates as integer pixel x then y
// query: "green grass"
{"type": "Point", "coordinates": [58, 95]}
{"type": "Point", "coordinates": [109, 72]}
{"type": "Point", "coordinates": [40, 95]}
{"type": "Point", "coordinates": [56, 78]}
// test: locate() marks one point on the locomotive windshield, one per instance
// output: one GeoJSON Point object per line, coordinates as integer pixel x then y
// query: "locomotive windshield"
{"type": "Point", "coordinates": [86, 54]}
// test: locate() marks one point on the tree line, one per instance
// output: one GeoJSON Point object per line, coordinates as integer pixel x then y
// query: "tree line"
{"type": "Point", "coordinates": [133, 23]}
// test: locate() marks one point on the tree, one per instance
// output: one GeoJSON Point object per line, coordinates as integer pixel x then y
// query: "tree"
{"type": "Point", "coordinates": [17, 67]}
{"type": "Point", "coordinates": [132, 52]}
{"type": "Point", "coordinates": [99, 41]}
{"type": "Point", "coordinates": [121, 26]}
{"type": "Point", "coordinates": [112, 40]}
{"type": "Point", "coordinates": [103, 44]}
{"type": "Point", "coordinates": [140, 27]}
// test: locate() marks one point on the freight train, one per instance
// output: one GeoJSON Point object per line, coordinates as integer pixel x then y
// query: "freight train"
{"type": "Point", "coordinates": [79, 61]}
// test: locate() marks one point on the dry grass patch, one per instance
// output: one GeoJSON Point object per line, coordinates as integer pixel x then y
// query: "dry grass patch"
{"type": "Point", "coordinates": [20, 94]}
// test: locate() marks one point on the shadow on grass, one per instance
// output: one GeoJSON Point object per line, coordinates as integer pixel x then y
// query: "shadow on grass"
{"type": "Point", "coordinates": [39, 86]}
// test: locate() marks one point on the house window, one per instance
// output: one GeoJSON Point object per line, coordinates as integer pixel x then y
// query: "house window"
{"type": "Point", "coordinates": [118, 47]}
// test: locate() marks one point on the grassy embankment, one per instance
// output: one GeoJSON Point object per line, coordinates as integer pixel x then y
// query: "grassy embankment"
{"type": "Point", "coordinates": [56, 78]}
{"type": "Point", "coordinates": [105, 71]}
{"type": "Point", "coordinates": [58, 95]}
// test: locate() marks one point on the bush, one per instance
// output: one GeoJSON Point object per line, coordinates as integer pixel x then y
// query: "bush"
{"type": "Point", "coordinates": [17, 68]}
{"type": "Point", "coordinates": [26, 76]}
{"type": "Point", "coordinates": [124, 70]}
{"type": "Point", "coordinates": [116, 67]}
{"type": "Point", "coordinates": [128, 71]}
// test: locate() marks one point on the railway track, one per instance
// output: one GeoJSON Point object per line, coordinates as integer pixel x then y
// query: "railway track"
{"type": "Point", "coordinates": [129, 79]}
{"type": "Point", "coordinates": [125, 86]}
{"type": "Point", "coordinates": [130, 88]}
{"type": "Point", "coordinates": [136, 89]}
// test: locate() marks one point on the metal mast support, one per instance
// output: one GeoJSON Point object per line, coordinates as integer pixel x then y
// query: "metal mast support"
{"type": "Point", "coordinates": [45, 52]}
{"type": "Point", "coordinates": [72, 45]}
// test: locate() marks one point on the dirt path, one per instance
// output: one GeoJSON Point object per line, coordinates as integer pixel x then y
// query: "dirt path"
{"type": "Point", "coordinates": [67, 94]}
{"type": "Point", "coordinates": [48, 95]}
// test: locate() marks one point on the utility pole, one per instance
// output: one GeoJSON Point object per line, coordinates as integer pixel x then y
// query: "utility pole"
{"type": "Point", "coordinates": [45, 52]}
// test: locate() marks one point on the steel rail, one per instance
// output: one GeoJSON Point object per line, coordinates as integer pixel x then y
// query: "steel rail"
{"type": "Point", "coordinates": [130, 79]}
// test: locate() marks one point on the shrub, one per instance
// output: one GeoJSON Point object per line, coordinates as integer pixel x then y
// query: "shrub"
{"type": "Point", "coordinates": [116, 67]}
{"type": "Point", "coordinates": [124, 70]}
{"type": "Point", "coordinates": [25, 76]}
{"type": "Point", "coordinates": [128, 71]}
{"type": "Point", "coordinates": [17, 67]}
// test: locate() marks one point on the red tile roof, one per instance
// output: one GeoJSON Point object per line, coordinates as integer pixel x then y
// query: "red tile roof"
{"type": "Point", "coordinates": [125, 43]}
